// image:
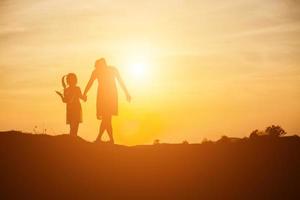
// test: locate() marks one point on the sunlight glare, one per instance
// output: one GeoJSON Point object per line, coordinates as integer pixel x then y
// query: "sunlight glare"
{"type": "Point", "coordinates": [139, 70]}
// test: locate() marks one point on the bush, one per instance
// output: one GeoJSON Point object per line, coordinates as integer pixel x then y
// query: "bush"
{"type": "Point", "coordinates": [272, 131]}
{"type": "Point", "coordinates": [185, 142]}
{"type": "Point", "coordinates": [254, 134]}
{"type": "Point", "coordinates": [275, 131]}
{"type": "Point", "coordinates": [224, 139]}
{"type": "Point", "coordinates": [155, 142]}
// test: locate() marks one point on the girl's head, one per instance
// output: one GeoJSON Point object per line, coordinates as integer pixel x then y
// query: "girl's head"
{"type": "Point", "coordinates": [71, 79]}
{"type": "Point", "coordinates": [100, 64]}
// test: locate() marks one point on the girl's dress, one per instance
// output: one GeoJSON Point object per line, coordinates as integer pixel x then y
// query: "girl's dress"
{"type": "Point", "coordinates": [107, 97]}
{"type": "Point", "coordinates": [74, 111]}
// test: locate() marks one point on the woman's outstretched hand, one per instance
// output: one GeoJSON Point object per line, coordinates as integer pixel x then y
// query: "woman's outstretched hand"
{"type": "Point", "coordinates": [128, 97]}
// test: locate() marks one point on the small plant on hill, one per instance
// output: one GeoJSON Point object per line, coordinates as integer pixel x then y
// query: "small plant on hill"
{"type": "Point", "coordinates": [206, 141]}
{"type": "Point", "coordinates": [35, 129]}
{"type": "Point", "coordinates": [156, 142]}
{"type": "Point", "coordinates": [185, 142]}
{"type": "Point", "coordinates": [224, 139]}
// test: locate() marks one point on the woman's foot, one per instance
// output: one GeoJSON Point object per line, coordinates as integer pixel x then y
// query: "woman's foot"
{"type": "Point", "coordinates": [111, 142]}
{"type": "Point", "coordinates": [98, 141]}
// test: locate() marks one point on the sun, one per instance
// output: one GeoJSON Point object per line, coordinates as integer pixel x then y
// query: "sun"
{"type": "Point", "coordinates": [139, 70]}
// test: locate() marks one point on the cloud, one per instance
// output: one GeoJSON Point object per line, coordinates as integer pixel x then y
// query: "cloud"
{"type": "Point", "coordinates": [293, 9]}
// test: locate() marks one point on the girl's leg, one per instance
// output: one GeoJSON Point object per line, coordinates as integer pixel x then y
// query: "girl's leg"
{"type": "Point", "coordinates": [74, 128]}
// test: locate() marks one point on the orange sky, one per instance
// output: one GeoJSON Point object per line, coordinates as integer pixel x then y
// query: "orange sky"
{"type": "Point", "coordinates": [210, 68]}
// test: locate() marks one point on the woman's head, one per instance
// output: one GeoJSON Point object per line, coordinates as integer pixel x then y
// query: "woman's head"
{"type": "Point", "coordinates": [100, 64]}
{"type": "Point", "coordinates": [71, 79]}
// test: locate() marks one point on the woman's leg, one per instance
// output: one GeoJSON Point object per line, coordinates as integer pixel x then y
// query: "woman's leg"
{"type": "Point", "coordinates": [109, 129]}
{"type": "Point", "coordinates": [106, 125]}
{"type": "Point", "coordinates": [102, 128]}
{"type": "Point", "coordinates": [74, 128]}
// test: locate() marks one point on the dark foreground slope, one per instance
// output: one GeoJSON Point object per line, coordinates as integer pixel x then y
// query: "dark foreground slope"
{"type": "Point", "coordinates": [60, 167]}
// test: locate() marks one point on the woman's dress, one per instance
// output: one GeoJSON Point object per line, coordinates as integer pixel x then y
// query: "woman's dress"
{"type": "Point", "coordinates": [107, 97]}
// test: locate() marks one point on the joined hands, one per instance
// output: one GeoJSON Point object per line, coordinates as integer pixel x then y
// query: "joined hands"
{"type": "Point", "coordinates": [84, 97]}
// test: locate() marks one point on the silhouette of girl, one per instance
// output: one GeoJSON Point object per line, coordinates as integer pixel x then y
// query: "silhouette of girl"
{"type": "Point", "coordinates": [107, 98]}
{"type": "Point", "coordinates": [71, 97]}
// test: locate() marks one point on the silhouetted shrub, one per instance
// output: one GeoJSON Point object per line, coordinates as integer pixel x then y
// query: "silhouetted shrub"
{"type": "Point", "coordinates": [272, 131]}
{"type": "Point", "coordinates": [224, 139]}
{"type": "Point", "coordinates": [155, 142]}
{"type": "Point", "coordinates": [254, 134]}
{"type": "Point", "coordinates": [185, 142]}
{"type": "Point", "coordinates": [206, 141]}
{"type": "Point", "coordinates": [35, 129]}
{"type": "Point", "coordinates": [275, 131]}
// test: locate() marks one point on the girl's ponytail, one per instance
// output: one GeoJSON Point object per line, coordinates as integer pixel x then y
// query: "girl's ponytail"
{"type": "Point", "coordinates": [63, 82]}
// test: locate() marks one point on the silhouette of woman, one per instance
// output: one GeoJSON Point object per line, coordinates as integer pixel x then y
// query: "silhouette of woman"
{"type": "Point", "coordinates": [107, 97]}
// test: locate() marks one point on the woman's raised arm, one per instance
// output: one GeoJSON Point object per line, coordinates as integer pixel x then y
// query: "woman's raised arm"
{"type": "Point", "coordinates": [122, 84]}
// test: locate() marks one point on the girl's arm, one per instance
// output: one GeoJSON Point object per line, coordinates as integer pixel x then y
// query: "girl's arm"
{"type": "Point", "coordinates": [61, 96]}
{"type": "Point", "coordinates": [122, 84]}
{"type": "Point", "coordinates": [90, 83]}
